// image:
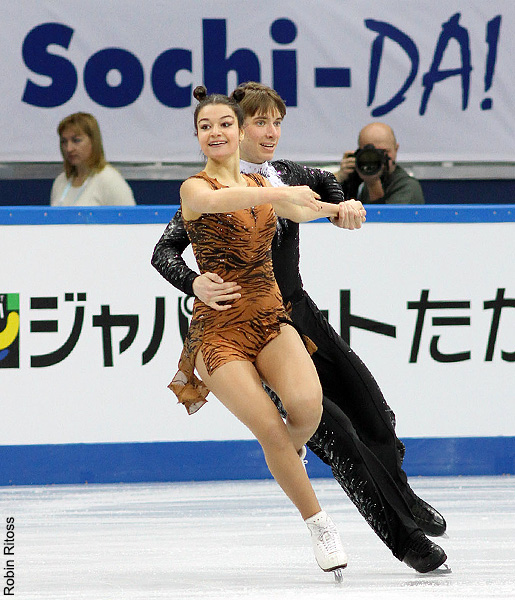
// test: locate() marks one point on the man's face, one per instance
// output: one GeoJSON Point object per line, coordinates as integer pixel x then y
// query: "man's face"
{"type": "Point", "coordinates": [382, 140]}
{"type": "Point", "coordinates": [262, 134]}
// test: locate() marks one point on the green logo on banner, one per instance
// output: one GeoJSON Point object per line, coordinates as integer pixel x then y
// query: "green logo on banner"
{"type": "Point", "coordinates": [9, 331]}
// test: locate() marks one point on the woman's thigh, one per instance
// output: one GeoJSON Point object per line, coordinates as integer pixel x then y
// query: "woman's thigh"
{"type": "Point", "coordinates": [286, 367]}
{"type": "Point", "coordinates": [237, 385]}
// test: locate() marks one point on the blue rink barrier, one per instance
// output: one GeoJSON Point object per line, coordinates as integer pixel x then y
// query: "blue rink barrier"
{"type": "Point", "coordinates": [228, 460]}
{"type": "Point", "coordinates": [116, 215]}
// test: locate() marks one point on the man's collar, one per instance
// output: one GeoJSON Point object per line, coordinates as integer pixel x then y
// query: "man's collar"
{"type": "Point", "coordinates": [248, 167]}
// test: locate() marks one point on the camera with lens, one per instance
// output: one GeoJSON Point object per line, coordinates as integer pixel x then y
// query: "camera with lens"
{"type": "Point", "coordinates": [371, 160]}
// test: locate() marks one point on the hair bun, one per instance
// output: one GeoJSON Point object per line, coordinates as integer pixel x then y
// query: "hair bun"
{"type": "Point", "coordinates": [238, 94]}
{"type": "Point", "coordinates": [200, 93]}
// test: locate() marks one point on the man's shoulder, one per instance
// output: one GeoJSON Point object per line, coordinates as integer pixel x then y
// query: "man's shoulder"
{"type": "Point", "coordinates": [403, 188]}
{"type": "Point", "coordinates": [400, 175]}
{"type": "Point", "coordinates": [283, 163]}
{"type": "Point", "coordinates": [289, 168]}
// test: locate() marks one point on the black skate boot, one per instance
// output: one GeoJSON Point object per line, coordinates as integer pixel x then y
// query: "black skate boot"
{"type": "Point", "coordinates": [422, 554]}
{"type": "Point", "coordinates": [427, 518]}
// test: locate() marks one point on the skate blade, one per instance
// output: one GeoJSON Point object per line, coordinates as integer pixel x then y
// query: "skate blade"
{"type": "Point", "coordinates": [338, 573]}
{"type": "Point", "coordinates": [338, 576]}
{"type": "Point", "coordinates": [443, 535]}
{"type": "Point", "coordinates": [438, 572]}
{"type": "Point", "coordinates": [443, 569]}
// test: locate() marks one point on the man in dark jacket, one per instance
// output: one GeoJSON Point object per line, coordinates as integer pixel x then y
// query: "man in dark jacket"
{"type": "Point", "coordinates": [356, 435]}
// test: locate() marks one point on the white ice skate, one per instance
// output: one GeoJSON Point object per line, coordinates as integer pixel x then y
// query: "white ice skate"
{"type": "Point", "coordinates": [329, 552]}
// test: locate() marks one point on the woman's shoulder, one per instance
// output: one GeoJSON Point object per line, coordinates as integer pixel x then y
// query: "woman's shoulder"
{"type": "Point", "coordinates": [110, 176]}
{"type": "Point", "coordinates": [108, 173]}
{"type": "Point", "coordinates": [255, 179]}
{"type": "Point", "coordinates": [60, 179]}
{"type": "Point", "coordinates": [58, 186]}
{"type": "Point", "coordinates": [111, 187]}
{"type": "Point", "coordinates": [203, 177]}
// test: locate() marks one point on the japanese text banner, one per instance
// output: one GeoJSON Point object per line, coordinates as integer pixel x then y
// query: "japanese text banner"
{"type": "Point", "coordinates": [90, 333]}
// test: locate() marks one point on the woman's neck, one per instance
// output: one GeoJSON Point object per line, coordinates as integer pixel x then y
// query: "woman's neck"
{"type": "Point", "coordinates": [80, 176]}
{"type": "Point", "coordinates": [226, 172]}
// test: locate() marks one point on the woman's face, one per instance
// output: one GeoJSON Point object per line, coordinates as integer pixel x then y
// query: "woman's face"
{"type": "Point", "coordinates": [76, 147]}
{"type": "Point", "coordinates": [218, 132]}
{"type": "Point", "coordinates": [262, 134]}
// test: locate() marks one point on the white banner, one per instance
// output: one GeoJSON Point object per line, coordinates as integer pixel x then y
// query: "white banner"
{"type": "Point", "coordinates": [439, 71]}
{"type": "Point", "coordinates": [428, 310]}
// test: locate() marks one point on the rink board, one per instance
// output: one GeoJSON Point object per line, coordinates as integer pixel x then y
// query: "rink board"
{"type": "Point", "coordinates": [236, 459]}
{"type": "Point", "coordinates": [83, 383]}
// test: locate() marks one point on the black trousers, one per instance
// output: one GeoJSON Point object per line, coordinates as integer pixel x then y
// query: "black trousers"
{"type": "Point", "coordinates": [356, 435]}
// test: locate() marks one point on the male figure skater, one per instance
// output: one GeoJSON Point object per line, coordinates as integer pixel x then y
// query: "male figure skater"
{"type": "Point", "coordinates": [356, 435]}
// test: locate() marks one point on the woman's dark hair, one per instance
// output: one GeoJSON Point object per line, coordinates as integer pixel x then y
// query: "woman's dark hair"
{"type": "Point", "coordinates": [200, 94]}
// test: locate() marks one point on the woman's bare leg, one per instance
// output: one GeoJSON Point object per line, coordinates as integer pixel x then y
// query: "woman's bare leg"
{"type": "Point", "coordinates": [238, 387]}
{"type": "Point", "coordinates": [288, 369]}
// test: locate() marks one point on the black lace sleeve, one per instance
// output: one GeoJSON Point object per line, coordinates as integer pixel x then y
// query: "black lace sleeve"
{"type": "Point", "coordinates": [167, 256]}
{"type": "Point", "coordinates": [322, 182]}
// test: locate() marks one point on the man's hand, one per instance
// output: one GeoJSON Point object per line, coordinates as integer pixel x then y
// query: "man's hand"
{"type": "Point", "coordinates": [347, 166]}
{"type": "Point", "coordinates": [211, 289]}
{"type": "Point", "coordinates": [351, 215]}
{"type": "Point", "coordinates": [374, 184]}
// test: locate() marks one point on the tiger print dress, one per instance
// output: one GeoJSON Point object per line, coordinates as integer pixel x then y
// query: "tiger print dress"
{"type": "Point", "coordinates": [237, 247]}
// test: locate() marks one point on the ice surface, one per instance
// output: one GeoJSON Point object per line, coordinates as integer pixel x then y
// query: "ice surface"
{"type": "Point", "coordinates": [243, 540]}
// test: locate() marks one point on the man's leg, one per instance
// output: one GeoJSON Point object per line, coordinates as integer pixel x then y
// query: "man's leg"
{"type": "Point", "coordinates": [349, 384]}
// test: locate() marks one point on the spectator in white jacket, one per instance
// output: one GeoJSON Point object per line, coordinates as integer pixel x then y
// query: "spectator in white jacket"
{"type": "Point", "coordinates": [88, 179]}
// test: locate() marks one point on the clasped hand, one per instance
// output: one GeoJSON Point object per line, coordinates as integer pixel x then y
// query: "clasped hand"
{"type": "Point", "coordinates": [302, 195]}
{"type": "Point", "coordinates": [351, 215]}
{"type": "Point", "coordinates": [218, 294]}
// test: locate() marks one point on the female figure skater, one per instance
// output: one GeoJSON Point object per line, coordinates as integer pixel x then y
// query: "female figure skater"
{"type": "Point", "coordinates": [356, 435]}
{"type": "Point", "coordinates": [231, 220]}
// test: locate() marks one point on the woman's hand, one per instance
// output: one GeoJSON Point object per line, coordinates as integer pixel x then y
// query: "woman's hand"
{"type": "Point", "coordinates": [302, 195]}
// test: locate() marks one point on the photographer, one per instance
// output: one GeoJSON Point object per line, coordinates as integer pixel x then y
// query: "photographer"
{"type": "Point", "coordinates": [371, 173]}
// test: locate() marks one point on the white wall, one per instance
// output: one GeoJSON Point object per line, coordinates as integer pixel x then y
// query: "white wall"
{"type": "Point", "coordinates": [384, 265]}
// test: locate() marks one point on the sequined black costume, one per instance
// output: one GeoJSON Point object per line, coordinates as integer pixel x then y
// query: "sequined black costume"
{"type": "Point", "coordinates": [356, 436]}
